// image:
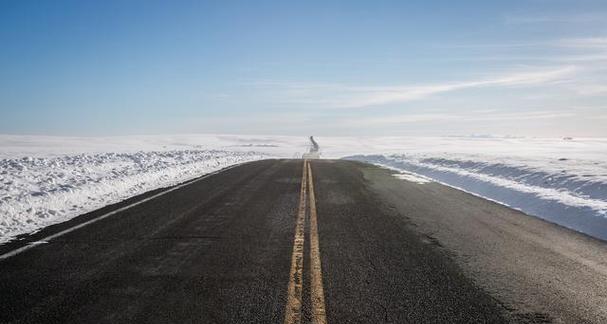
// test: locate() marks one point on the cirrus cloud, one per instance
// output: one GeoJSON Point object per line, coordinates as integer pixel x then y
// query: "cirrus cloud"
{"type": "Point", "coordinates": [327, 95]}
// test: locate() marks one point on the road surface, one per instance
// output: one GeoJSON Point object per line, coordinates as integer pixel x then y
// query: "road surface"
{"type": "Point", "coordinates": [275, 241]}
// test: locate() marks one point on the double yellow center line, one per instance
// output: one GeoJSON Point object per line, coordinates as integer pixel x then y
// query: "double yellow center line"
{"type": "Point", "coordinates": [293, 311]}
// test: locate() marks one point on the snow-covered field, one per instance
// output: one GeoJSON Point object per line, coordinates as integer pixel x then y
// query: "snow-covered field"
{"type": "Point", "coordinates": [562, 181]}
{"type": "Point", "coordinates": [47, 180]}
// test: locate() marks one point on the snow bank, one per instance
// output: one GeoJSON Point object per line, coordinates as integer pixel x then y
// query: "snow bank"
{"type": "Point", "coordinates": [38, 191]}
{"type": "Point", "coordinates": [552, 189]}
{"type": "Point", "coordinates": [46, 180]}
{"type": "Point", "coordinates": [561, 180]}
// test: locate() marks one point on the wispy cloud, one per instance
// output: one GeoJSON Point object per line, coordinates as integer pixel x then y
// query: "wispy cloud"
{"type": "Point", "coordinates": [584, 43]}
{"type": "Point", "coordinates": [555, 58]}
{"type": "Point", "coordinates": [348, 96]}
{"type": "Point", "coordinates": [454, 117]}
{"type": "Point", "coordinates": [554, 18]}
{"type": "Point", "coordinates": [597, 42]}
{"type": "Point", "coordinates": [591, 89]}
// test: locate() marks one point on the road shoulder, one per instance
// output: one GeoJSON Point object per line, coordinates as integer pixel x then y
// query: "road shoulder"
{"type": "Point", "coordinates": [538, 270]}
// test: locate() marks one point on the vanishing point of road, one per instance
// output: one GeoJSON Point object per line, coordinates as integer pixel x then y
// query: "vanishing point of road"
{"type": "Point", "coordinates": [293, 241]}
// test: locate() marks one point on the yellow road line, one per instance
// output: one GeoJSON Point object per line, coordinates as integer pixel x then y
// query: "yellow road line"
{"type": "Point", "coordinates": [294, 293]}
{"type": "Point", "coordinates": [319, 315]}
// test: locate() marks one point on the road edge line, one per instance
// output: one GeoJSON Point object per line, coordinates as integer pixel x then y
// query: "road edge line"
{"type": "Point", "coordinates": [106, 215]}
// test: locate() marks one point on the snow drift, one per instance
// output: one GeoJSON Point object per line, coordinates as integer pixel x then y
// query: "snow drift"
{"type": "Point", "coordinates": [39, 191]}
{"type": "Point", "coordinates": [551, 190]}
{"type": "Point", "coordinates": [45, 180]}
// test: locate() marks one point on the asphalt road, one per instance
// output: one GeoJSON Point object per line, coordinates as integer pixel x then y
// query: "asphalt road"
{"type": "Point", "coordinates": [224, 250]}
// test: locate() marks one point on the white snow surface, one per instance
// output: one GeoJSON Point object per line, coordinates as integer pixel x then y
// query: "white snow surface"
{"type": "Point", "coordinates": [411, 177]}
{"type": "Point", "coordinates": [46, 180]}
{"type": "Point", "coordinates": [562, 181]}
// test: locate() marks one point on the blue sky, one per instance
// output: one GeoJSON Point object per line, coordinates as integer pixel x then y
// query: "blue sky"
{"type": "Point", "coordinates": [527, 68]}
